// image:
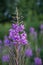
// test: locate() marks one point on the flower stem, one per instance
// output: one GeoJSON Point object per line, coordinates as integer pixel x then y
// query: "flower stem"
{"type": "Point", "coordinates": [17, 55]}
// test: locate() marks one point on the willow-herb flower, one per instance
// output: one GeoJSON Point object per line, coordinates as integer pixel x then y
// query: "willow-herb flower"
{"type": "Point", "coordinates": [31, 29]}
{"type": "Point", "coordinates": [21, 28]}
{"type": "Point", "coordinates": [37, 61]}
{"type": "Point", "coordinates": [41, 26]}
{"type": "Point", "coordinates": [17, 34]}
{"type": "Point", "coordinates": [5, 58]}
{"type": "Point", "coordinates": [6, 41]}
{"type": "Point", "coordinates": [28, 52]}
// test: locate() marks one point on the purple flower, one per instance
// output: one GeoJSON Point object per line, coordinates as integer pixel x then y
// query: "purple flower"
{"type": "Point", "coordinates": [24, 38]}
{"type": "Point", "coordinates": [38, 61]}
{"type": "Point", "coordinates": [33, 32]}
{"type": "Point", "coordinates": [41, 26]}
{"type": "Point", "coordinates": [31, 29]}
{"type": "Point", "coordinates": [21, 28]}
{"type": "Point", "coordinates": [24, 41]}
{"type": "Point", "coordinates": [5, 58]}
{"type": "Point", "coordinates": [14, 42]}
{"type": "Point", "coordinates": [16, 27]}
{"type": "Point", "coordinates": [28, 52]}
{"type": "Point", "coordinates": [6, 41]}
{"type": "Point", "coordinates": [33, 35]}
{"type": "Point", "coordinates": [17, 34]}
{"type": "Point", "coordinates": [11, 33]}
{"type": "Point", "coordinates": [24, 35]}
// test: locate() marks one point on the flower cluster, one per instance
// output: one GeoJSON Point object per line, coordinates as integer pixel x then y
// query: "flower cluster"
{"type": "Point", "coordinates": [17, 34]}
